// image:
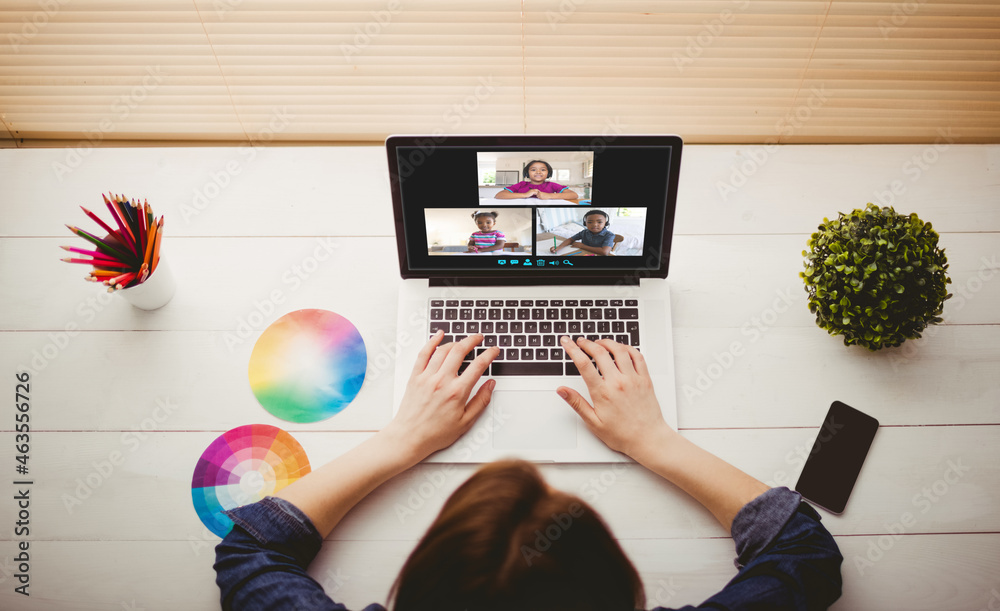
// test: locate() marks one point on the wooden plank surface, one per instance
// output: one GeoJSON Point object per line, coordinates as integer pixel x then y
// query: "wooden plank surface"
{"type": "Point", "coordinates": [124, 401]}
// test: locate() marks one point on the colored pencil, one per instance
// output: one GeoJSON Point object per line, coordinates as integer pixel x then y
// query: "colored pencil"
{"type": "Point", "coordinates": [98, 262]}
{"type": "Point", "coordinates": [156, 247]}
{"type": "Point", "coordinates": [120, 216]}
{"type": "Point", "coordinates": [97, 219]}
{"type": "Point", "coordinates": [148, 255]}
{"type": "Point", "coordinates": [100, 244]}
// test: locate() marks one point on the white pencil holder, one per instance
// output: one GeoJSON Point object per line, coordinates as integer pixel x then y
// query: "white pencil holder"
{"type": "Point", "coordinates": [155, 292]}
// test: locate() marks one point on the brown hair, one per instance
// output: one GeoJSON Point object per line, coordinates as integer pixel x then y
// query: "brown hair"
{"type": "Point", "coordinates": [505, 540]}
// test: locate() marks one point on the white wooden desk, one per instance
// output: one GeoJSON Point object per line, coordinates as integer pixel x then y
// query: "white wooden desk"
{"type": "Point", "coordinates": [123, 401]}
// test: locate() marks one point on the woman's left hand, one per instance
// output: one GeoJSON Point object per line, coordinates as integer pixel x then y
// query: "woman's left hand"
{"type": "Point", "coordinates": [436, 409]}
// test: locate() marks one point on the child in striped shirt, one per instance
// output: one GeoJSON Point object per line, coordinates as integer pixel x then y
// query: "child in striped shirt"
{"type": "Point", "coordinates": [487, 239]}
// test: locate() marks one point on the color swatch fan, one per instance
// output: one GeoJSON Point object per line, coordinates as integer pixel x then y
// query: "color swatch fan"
{"type": "Point", "coordinates": [308, 365]}
{"type": "Point", "coordinates": [243, 466]}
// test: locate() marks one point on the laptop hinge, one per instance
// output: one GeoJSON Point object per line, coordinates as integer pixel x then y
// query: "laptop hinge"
{"type": "Point", "coordinates": [537, 281]}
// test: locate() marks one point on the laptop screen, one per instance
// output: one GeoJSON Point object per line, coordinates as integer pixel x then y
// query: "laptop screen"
{"type": "Point", "coordinates": [516, 207]}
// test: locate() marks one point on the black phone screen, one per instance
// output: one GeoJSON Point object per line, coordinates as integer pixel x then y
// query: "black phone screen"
{"type": "Point", "coordinates": [834, 463]}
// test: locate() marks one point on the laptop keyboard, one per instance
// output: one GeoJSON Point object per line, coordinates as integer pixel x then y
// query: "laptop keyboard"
{"type": "Point", "coordinates": [527, 331]}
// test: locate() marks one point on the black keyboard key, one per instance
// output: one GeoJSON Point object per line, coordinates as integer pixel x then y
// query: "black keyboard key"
{"type": "Point", "coordinates": [596, 314]}
{"type": "Point", "coordinates": [502, 327]}
{"type": "Point", "coordinates": [617, 302]}
{"type": "Point", "coordinates": [631, 326]}
{"type": "Point", "coordinates": [465, 314]}
{"type": "Point", "coordinates": [520, 340]}
{"type": "Point", "coordinates": [512, 354]}
{"type": "Point", "coordinates": [487, 327]}
{"type": "Point", "coordinates": [552, 314]}
{"type": "Point", "coordinates": [549, 340]}
{"type": "Point", "coordinates": [527, 303]}
{"type": "Point", "coordinates": [446, 339]}
{"type": "Point", "coordinates": [459, 338]}
{"type": "Point", "coordinates": [602, 327]}
{"type": "Point", "coordinates": [634, 338]}
{"type": "Point", "coordinates": [505, 340]}
{"type": "Point", "coordinates": [527, 354]}
{"type": "Point", "coordinates": [451, 303]}
{"type": "Point", "coordinates": [479, 314]}
{"type": "Point", "coordinates": [572, 303]}
{"type": "Point", "coordinates": [463, 366]}
{"type": "Point", "coordinates": [511, 303]}
{"type": "Point", "coordinates": [608, 336]}
{"type": "Point", "coordinates": [580, 313]}
{"type": "Point", "coordinates": [571, 369]}
{"type": "Point", "coordinates": [489, 340]}
{"type": "Point", "coordinates": [531, 327]}
{"type": "Point", "coordinates": [467, 303]}
{"type": "Point", "coordinates": [517, 327]}
{"type": "Point", "coordinates": [534, 340]}
{"type": "Point", "coordinates": [566, 313]}
{"type": "Point", "coordinates": [624, 339]}
{"type": "Point", "coordinates": [542, 303]}
{"type": "Point", "coordinates": [482, 303]}
{"type": "Point", "coordinates": [610, 313]}
{"type": "Point", "coordinates": [545, 327]}
{"type": "Point", "coordinates": [523, 314]}
{"type": "Point", "coordinates": [601, 303]}
{"type": "Point", "coordinates": [439, 326]}
{"type": "Point", "coordinates": [632, 302]}
{"type": "Point", "coordinates": [437, 303]}
{"type": "Point", "coordinates": [628, 313]}
{"type": "Point", "coordinates": [618, 327]}
{"type": "Point", "coordinates": [437, 314]}
{"type": "Point", "coordinates": [556, 303]}
{"type": "Point", "coordinates": [547, 368]}
{"type": "Point", "coordinates": [509, 314]}
{"type": "Point", "coordinates": [574, 327]}
{"type": "Point", "coordinates": [589, 326]}
{"type": "Point", "coordinates": [541, 354]}
{"type": "Point", "coordinates": [458, 327]}
{"type": "Point", "coordinates": [494, 314]}
{"type": "Point", "coordinates": [556, 354]}
{"type": "Point", "coordinates": [451, 314]}
{"type": "Point", "coordinates": [586, 303]}
{"type": "Point", "coordinates": [496, 303]}
{"type": "Point", "coordinates": [559, 327]}
{"type": "Point", "coordinates": [472, 327]}
{"type": "Point", "coordinates": [593, 337]}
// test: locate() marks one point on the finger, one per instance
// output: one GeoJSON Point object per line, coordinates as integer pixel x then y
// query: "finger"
{"type": "Point", "coordinates": [437, 359]}
{"type": "Point", "coordinates": [587, 370]}
{"type": "Point", "coordinates": [477, 404]}
{"type": "Point", "coordinates": [580, 405]}
{"type": "Point", "coordinates": [478, 366]}
{"type": "Point", "coordinates": [601, 356]}
{"type": "Point", "coordinates": [623, 361]}
{"type": "Point", "coordinates": [457, 354]}
{"type": "Point", "coordinates": [638, 361]}
{"type": "Point", "coordinates": [425, 353]}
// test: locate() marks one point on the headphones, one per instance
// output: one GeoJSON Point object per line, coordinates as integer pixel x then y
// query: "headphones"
{"type": "Point", "coordinates": [548, 168]}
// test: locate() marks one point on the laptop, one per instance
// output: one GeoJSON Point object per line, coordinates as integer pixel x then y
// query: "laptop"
{"type": "Point", "coordinates": [525, 239]}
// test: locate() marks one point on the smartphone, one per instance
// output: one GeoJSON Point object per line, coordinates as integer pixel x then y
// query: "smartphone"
{"type": "Point", "coordinates": [834, 463]}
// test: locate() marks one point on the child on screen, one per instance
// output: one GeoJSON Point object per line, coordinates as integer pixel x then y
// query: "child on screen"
{"type": "Point", "coordinates": [487, 239]}
{"type": "Point", "coordinates": [537, 173]}
{"type": "Point", "coordinates": [596, 238]}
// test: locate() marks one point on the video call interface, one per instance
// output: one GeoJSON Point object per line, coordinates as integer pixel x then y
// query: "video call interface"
{"type": "Point", "coordinates": [557, 209]}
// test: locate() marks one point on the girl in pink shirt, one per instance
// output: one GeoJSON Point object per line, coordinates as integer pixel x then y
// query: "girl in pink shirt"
{"type": "Point", "coordinates": [537, 173]}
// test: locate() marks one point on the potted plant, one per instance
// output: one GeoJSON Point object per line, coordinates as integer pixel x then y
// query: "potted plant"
{"type": "Point", "coordinates": [876, 277]}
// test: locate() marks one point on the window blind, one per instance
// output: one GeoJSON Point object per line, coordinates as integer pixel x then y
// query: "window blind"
{"type": "Point", "coordinates": [357, 70]}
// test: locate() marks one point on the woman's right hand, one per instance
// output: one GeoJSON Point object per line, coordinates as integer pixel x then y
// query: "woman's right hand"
{"type": "Point", "coordinates": [625, 415]}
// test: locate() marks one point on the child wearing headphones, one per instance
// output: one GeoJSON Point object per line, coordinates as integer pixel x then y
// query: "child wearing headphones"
{"type": "Point", "coordinates": [487, 239]}
{"type": "Point", "coordinates": [537, 173]}
{"type": "Point", "coordinates": [596, 238]}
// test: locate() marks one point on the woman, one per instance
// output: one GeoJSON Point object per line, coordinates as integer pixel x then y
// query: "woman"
{"type": "Point", "coordinates": [486, 549]}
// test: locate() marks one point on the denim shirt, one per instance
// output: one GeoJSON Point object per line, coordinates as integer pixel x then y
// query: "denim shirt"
{"type": "Point", "coordinates": [786, 559]}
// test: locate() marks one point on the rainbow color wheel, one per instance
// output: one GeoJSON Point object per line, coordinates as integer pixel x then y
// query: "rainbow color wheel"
{"type": "Point", "coordinates": [308, 365]}
{"type": "Point", "coordinates": [242, 466]}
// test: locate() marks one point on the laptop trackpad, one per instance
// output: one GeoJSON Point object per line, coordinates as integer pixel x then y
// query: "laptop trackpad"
{"type": "Point", "coordinates": [533, 420]}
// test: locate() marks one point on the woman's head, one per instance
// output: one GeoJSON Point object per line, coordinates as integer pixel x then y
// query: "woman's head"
{"type": "Point", "coordinates": [537, 170]}
{"type": "Point", "coordinates": [505, 540]}
{"type": "Point", "coordinates": [485, 220]}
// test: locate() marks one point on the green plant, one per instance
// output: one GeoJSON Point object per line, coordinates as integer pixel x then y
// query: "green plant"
{"type": "Point", "coordinates": [876, 277]}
